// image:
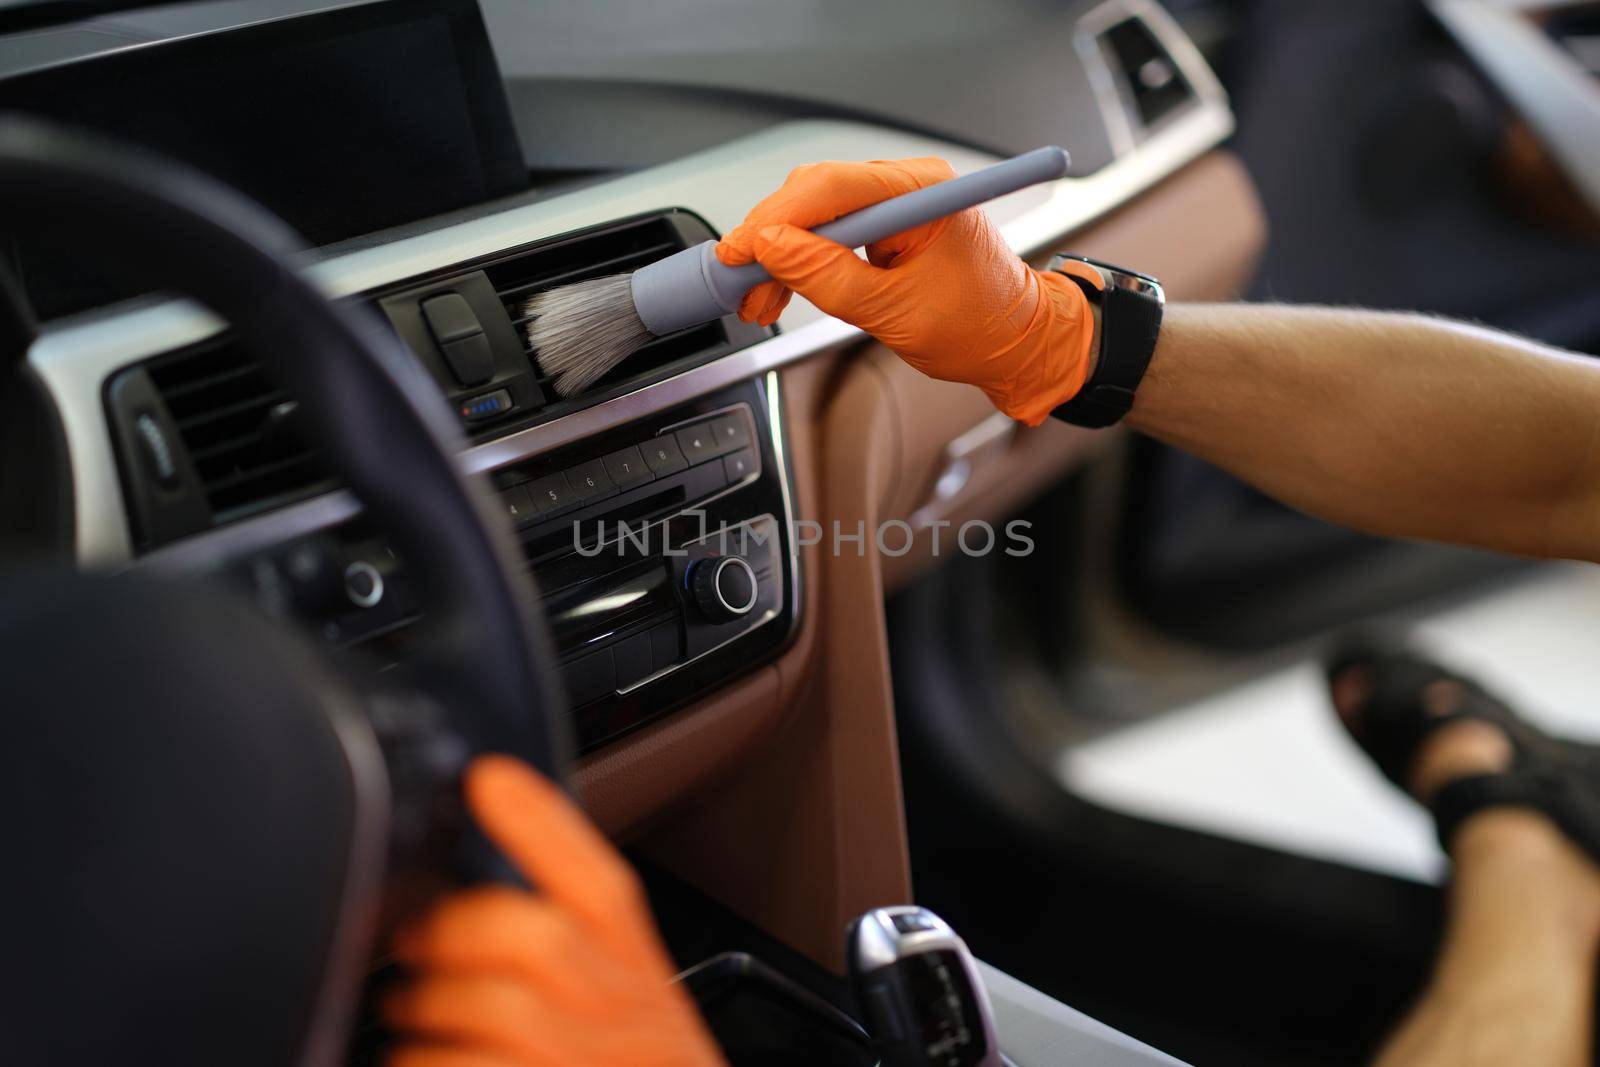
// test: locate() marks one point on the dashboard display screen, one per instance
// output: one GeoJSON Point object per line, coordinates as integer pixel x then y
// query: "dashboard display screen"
{"type": "Point", "coordinates": [341, 122]}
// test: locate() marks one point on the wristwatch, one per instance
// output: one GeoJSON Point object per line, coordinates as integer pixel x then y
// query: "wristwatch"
{"type": "Point", "coordinates": [1128, 305]}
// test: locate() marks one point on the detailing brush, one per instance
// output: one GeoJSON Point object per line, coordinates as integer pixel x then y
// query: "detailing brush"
{"type": "Point", "coordinates": [580, 331]}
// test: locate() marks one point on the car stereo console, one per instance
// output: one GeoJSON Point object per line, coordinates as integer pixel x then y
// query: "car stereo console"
{"type": "Point", "coordinates": [662, 550]}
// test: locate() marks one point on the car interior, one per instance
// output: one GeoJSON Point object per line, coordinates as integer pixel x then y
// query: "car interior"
{"type": "Point", "coordinates": [291, 522]}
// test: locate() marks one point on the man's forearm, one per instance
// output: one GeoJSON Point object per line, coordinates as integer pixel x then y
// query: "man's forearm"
{"type": "Point", "coordinates": [1395, 424]}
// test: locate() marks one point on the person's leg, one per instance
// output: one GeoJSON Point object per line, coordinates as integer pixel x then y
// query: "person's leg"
{"type": "Point", "coordinates": [1514, 981]}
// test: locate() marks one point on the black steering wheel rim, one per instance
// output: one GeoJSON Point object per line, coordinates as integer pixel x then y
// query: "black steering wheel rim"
{"type": "Point", "coordinates": [380, 420]}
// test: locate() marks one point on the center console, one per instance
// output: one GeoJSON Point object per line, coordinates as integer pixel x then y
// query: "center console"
{"type": "Point", "coordinates": [663, 551]}
{"type": "Point", "coordinates": [661, 548]}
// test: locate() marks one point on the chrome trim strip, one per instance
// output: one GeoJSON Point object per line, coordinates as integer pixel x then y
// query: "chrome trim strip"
{"type": "Point", "coordinates": [1102, 80]}
{"type": "Point", "coordinates": [1543, 81]}
{"type": "Point", "coordinates": [333, 1011]}
{"type": "Point", "coordinates": [75, 357]}
{"type": "Point", "coordinates": [788, 347]}
{"type": "Point", "coordinates": [780, 447]}
{"type": "Point", "coordinates": [992, 429]}
{"type": "Point", "coordinates": [208, 550]}
{"type": "Point", "coordinates": [667, 671]}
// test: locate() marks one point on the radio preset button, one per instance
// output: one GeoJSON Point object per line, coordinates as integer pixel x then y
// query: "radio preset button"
{"type": "Point", "coordinates": [518, 504]}
{"type": "Point", "coordinates": [730, 432]}
{"type": "Point", "coordinates": [590, 480]}
{"type": "Point", "coordinates": [627, 467]}
{"type": "Point", "coordinates": [740, 465]}
{"type": "Point", "coordinates": [662, 455]}
{"type": "Point", "coordinates": [698, 442]}
{"type": "Point", "coordinates": [552, 494]}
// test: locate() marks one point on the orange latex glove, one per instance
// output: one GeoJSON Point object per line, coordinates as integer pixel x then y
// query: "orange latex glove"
{"type": "Point", "coordinates": [950, 297]}
{"type": "Point", "coordinates": [571, 975]}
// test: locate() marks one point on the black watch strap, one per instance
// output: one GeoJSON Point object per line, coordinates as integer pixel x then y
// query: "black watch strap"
{"type": "Point", "coordinates": [1130, 322]}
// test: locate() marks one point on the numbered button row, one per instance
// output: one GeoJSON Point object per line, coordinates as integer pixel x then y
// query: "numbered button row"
{"type": "Point", "coordinates": [625, 468]}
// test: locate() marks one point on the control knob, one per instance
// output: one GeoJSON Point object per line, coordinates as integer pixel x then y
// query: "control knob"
{"type": "Point", "coordinates": [363, 584]}
{"type": "Point", "coordinates": [724, 588]}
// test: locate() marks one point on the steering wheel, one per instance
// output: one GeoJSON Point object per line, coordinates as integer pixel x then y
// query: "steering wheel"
{"type": "Point", "coordinates": [201, 805]}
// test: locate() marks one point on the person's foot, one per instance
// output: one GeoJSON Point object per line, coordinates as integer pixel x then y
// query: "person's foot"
{"type": "Point", "coordinates": [1456, 750]}
{"type": "Point", "coordinates": [1514, 978]}
{"type": "Point", "coordinates": [1522, 837]}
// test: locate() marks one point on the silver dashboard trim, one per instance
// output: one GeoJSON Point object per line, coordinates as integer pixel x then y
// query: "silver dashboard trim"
{"type": "Point", "coordinates": [1543, 81]}
{"type": "Point", "coordinates": [1102, 80]}
{"type": "Point", "coordinates": [780, 452]}
{"type": "Point", "coordinates": [1123, 127]}
{"type": "Point", "coordinates": [76, 356]}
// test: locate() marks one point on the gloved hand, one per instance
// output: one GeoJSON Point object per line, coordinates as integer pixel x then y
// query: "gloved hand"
{"type": "Point", "coordinates": [950, 297]}
{"type": "Point", "coordinates": [572, 974]}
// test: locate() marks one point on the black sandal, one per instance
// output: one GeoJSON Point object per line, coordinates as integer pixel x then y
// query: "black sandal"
{"type": "Point", "coordinates": [1560, 779]}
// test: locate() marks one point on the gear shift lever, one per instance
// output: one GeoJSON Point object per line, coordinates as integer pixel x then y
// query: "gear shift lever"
{"type": "Point", "coordinates": [919, 991]}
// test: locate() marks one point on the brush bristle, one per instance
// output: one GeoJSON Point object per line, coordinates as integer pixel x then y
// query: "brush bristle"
{"type": "Point", "coordinates": [580, 331]}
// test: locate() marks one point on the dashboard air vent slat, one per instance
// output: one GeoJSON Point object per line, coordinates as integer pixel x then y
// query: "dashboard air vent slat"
{"type": "Point", "coordinates": [618, 249]}
{"type": "Point", "coordinates": [248, 408]}
{"type": "Point", "coordinates": [514, 296]}
{"type": "Point", "coordinates": [176, 393]}
{"type": "Point", "coordinates": [239, 428]}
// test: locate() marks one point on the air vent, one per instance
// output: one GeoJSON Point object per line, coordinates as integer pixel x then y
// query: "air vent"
{"type": "Point", "coordinates": [206, 436]}
{"type": "Point", "coordinates": [239, 429]}
{"type": "Point", "coordinates": [1154, 86]}
{"type": "Point", "coordinates": [617, 249]}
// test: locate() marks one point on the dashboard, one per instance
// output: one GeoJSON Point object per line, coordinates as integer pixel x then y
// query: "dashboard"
{"type": "Point", "coordinates": [185, 457]}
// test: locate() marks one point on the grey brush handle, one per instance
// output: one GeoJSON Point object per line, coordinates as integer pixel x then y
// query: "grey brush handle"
{"type": "Point", "coordinates": [694, 286]}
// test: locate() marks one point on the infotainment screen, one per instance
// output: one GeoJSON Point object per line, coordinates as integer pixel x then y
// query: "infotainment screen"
{"type": "Point", "coordinates": [341, 122]}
